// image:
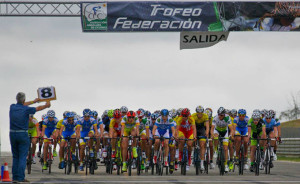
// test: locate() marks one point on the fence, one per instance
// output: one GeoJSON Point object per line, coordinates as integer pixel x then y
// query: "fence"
{"type": "Point", "coordinates": [289, 147]}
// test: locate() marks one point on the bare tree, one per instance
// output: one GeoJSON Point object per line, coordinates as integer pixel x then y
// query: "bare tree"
{"type": "Point", "coordinates": [294, 111]}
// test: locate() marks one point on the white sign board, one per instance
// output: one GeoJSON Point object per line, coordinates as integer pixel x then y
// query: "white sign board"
{"type": "Point", "coordinates": [193, 40]}
{"type": "Point", "coordinates": [46, 93]}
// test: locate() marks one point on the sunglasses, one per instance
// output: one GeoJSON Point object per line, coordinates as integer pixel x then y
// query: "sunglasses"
{"type": "Point", "coordinates": [255, 119]}
{"type": "Point", "coordinates": [268, 118]}
{"type": "Point", "coordinates": [242, 115]}
{"type": "Point", "coordinates": [185, 116]}
{"type": "Point", "coordinates": [221, 114]}
{"type": "Point", "coordinates": [130, 117]}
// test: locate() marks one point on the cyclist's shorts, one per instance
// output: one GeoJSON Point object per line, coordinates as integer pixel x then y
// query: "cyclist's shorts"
{"type": "Point", "coordinates": [67, 134]}
{"type": "Point", "coordinates": [268, 131]}
{"type": "Point", "coordinates": [222, 134]}
{"type": "Point", "coordinates": [48, 134]}
{"type": "Point", "coordinates": [32, 132]}
{"type": "Point", "coordinates": [84, 134]}
{"type": "Point", "coordinates": [201, 133]}
{"type": "Point", "coordinates": [186, 134]}
{"type": "Point", "coordinates": [241, 131]}
{"type": "Point", "coordinates": [255, 135]}
{"type": "Point", "coordinates": [162, 132]}
{"type": "Point", "coordinates": [127, 131]}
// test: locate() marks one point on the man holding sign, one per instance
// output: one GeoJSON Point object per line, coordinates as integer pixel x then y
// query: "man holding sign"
{"type": "Point", "coordinates": [19, 122]}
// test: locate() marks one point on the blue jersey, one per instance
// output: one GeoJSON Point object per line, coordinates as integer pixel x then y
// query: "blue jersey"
{"type": "Point", "coordinates": [241, 124]}
{"type": "Point", "coordinates": [270, 126]}
{"type": "Point", "coordinates": [164, 125]}
{"type": "Point", "coordinates": [277, 122]}
{"type": "Point", "coordinates": [99, 122]}
{"type": "Point", "coordinates": [68, 127]}
{"type": "Point", "coordinates": [86, 126]}
{"type": "Point", "coordinates": [50, 126]}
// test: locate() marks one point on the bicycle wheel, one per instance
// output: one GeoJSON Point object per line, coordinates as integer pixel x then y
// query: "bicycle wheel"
{"type": "Point", "coordinates": [184, 160]}
{"type": "Point", "coordinates": [222, 161]}
{"type": "Point", "coordinates": [257, 162]}
{"type": "Point", "coordinates": [162, 161]}
{"type": "Point", "coordinates": [196, 160]}
{"type": "Point", "coordinates": [138, 161]}
{"type": "Point", "coordinates": [242, 158]}
{"type": "Point", "coordinates": [270, 161]}
{"type": "Point", "coordinates": [129, 161]}
{"type": "Point", "coordinates": [49, 159]}
{"type": "Point", "coordinates": [206, 163]}
{"type": "Point", "coordinates": [87, 159]}
{"type": "Point", "coordinates": [267, 160]}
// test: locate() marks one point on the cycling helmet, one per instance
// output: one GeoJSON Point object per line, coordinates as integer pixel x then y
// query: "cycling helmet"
{"type": "Point", "coordinates": [65, 114]}
{"type": "Point", "coordinates": [233, 112]}
{"type": "Point", "coordinates": [157, 111]}
{"type": "Point", "coordinates": [147, 113]}
{"type": "Point", "coordinates": [208, 112]}
{"type": "Point", "coordinates": [70, 115]}
{"type": "Point", "coordinates": [130, 114]}
{"type": "Point", "coordinates": [140, 113]}
{"type": "Point", "coordinates": [51, 114]}
{"type": "Point", "coordinates": [164, 112]}
{"type": "Point", "coordinates": [199, 109]}
{"type": "Point", "coordinates": [273, 113]}
{"type": "Point", "coordinates": [117, 114]}
{"type": "Point", "coordinates": [44, 116]}
{"type": "Point", "coordinates": [209, 109]}
{"type": "Point", "coordinates": [87, 112]}
{"type": "Point", "coordinates": [154, 116]}
{"type": "Point", "coordinates": [256, 115]}
{"type": "Point", "coordinates": [256, 110]}
{"type": "Point", "coordinates": [221, 110]}
{"type": "Point", "coordinates": [269, 114]}
{"type": "Point", "coordinates": [105, 113]}
{"type": "Point", "coordinates": [179, 111]}
{"type": "Point", "coordinates": [264, 111]}
{"type": "Point", "coordinates": [124, 109]}
{"type": "Point", "coordinates": [110, 113]}
{"type": "Point", "coordinates": [94, 113]}
{"type": "Point", "coordinates": [141, 109]}
{"type": "Point", "coordinates": [185, 112]}
{"type": "Point", "coordinates": [242, 112]}
{"type": "Point", "coordinates": [227, 111]}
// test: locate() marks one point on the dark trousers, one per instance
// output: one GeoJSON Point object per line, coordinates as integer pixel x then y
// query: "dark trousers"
{"type": "Point", "coordinates": [19, 142]}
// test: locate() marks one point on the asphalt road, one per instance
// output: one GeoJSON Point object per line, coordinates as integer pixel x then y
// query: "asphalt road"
{"type": "Point", "coordinates": [283, 172]}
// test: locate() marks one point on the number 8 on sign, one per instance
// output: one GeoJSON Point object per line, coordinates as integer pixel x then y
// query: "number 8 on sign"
{"type": "Point", "coordinates": [46, 93]}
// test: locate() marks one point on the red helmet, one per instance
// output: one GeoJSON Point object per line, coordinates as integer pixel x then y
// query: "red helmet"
{"type": "Point", "coordinates": [185, 112]}
{"type": "Point", "coordinates": [117, 114]}
{"type": "Point", "coordinates": [130, 114]}
{"type": "Point", "coordinates": [140, 113]}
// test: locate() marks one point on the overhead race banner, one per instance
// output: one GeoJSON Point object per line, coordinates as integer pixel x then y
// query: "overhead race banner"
{"type": "Point", "coordinates": [145, 16]}
{"type": "Point", "coordinates": [193, 40]}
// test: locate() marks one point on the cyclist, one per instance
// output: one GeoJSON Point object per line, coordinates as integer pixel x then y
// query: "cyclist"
{"type": "Point", "coordinates": [233, 115]}
{"type": "Point", "coordinates": [59, 123]}
{"type": "Point", "coordinates": [263, 113]}
{"type": "Point", "coordinates": [153, 119]}
{"type": "Point", "coordinates": [130, 126]}
{"type": "Point", "coordinates": [202, 126]}
{"type": "Point", "coordinates": [241, 123]}
{"type": "Point", "coordinates": [186, 129]}
{"type": "Point", "coordinates": [67, 130]}
{"type": "Point", "coordinates": [86, 126]}
{"type": "Point", "coordinates": [161, 128]}
{"type": "Point", "coordinates": [147, 114]}
{"type": "Point", "coordinates": [40, 129]}
{"type": "Point", "coordinates": [106, 122]}
{"type": "Point", "coordinates": [208, 111]}
{"type": "Point", "coordinates": [49, 130]}
{"type": "Point", "coordinates": [220, 126]}
{"type": "Point", "coordinates": [115, 131]}
{"type": "Point", "coordinates": [278, 130]}
{"type": "Point", "coordinates": [100, 130]}
{"type": "Point", "coordinates": [271, 130]}
{"type": "Point", "coordinates": [257, 129]}
{"type": "Point", "coordinates": [144, 133]}
{"type": "Point", "coordinates": [34, 133]}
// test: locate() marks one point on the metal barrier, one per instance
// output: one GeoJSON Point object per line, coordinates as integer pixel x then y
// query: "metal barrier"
{"type": "Point", "coordinates": [289, 147]}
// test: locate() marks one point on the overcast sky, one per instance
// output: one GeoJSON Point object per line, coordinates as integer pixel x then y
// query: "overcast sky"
{"type": "Point", "coordinates": [108, 70]}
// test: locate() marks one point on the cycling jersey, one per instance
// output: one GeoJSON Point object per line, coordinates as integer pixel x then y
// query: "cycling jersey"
{"type": "Point", "coordinates": [144, 123]}
{"type": "Point", "coordinates": [269, 126]}
{"type": "Point", "coordinates": [68, 129]}
{"type": "Point", "coordinates": [58, 126]}
{"type": "Point", "coordinates": [222, 125]}
{"type": "Point", "coordinates": [200, 123]}
{"type": "Point", "coordinates": [106, 122]}
{"type": "Point", "coordinates": [129, 126]}
{"type": "Point", "coordinates": [116, 126]}
{"type": "Point", "coordinates": [50, 126]}
{"type": "Point", "coordinates": [239, 123]}
{"type": "Point", "coordinates": [186, 128]}
{"type": "Point", "coordinates": [86, 127]}
{"type": "Point", "coordinates": [163, 128]}
{"type": "Point", "coordinates": [256, 130]}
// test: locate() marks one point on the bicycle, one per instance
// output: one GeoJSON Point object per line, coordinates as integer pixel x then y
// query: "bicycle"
{"type": "Point", "coordinates": [221, 156]}
{"type": "Point", "coordinates": [161, 158]}
{"type": "Point", "coordinates": [129, 154]}
{"type": "Point", "coordinates": [68, 156]}
{"type": "Point", "coordinates": [207, 156]}
{"type": "Point", "coordinates": [258, 155]}
{"type": "Point", "coordinates": [49, 156]}
{"type": "Point", "coordinates": [197, 156]}
{"type": "Point", "coordinates": [241, 162]}
{"type": "Point", "coordinates": [184, 160]}
{"type": "Point", "coordinates": [268, 161]}
{"type": "Point", "coordinates": [29, 160]}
